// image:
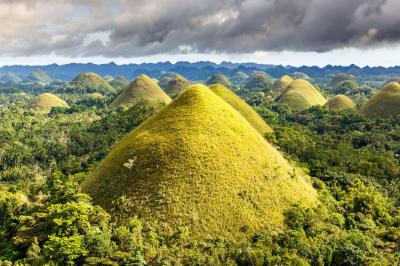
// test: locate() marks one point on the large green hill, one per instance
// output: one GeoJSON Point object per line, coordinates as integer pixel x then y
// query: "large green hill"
{"type": "Point", "coordinates": [300, 95]}
{"type": "Point", "coordinates": [38, 76]}
{"type": "Point", "coordinates": [199, 163]}
{"type": "Point", "coordinates": [242, 107]}
{"type": "Point", "coordinates": [385, 103]}
{"type": "Point", "coordinates": [143, 88]}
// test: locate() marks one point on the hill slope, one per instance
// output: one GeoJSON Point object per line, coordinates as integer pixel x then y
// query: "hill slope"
{"type": "Point", "coordinates": [46, 101]}
{"type": "Point", "coordinates": [143, 88]}
{"type": "Point", "coordinates": [242, 107]}
{"type": "Point", "coordinates": [340, 102]}
{"type": "Point", "coordinates": [215, 174]}
{"type": "Point", "coordinates": [300, 95]}
{"type": "Point", "coordinates": [282, 83]}
{"type": "Point", "coordinates": [38, 76]}
{"type": "Point", "coordinates": [385, 103]}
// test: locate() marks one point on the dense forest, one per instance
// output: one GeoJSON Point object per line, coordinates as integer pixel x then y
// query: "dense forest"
{"type": "Point", "coordinates": [49, 146]}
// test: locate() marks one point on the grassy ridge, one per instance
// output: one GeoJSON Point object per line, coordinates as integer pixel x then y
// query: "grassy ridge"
{"type": "Point", "coordinates": [199, 163]}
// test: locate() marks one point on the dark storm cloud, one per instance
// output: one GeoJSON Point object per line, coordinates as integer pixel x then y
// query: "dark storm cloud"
{"type": "Point", "coordinates": [139, 27]}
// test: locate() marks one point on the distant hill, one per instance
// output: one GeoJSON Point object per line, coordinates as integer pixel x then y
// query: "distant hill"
{"type": "Point", "coordinates": [300, 95]}
{"type": "Point", "coordinates": [219, 79]}
{"type": "Point", "coordinates": [38, 76]}
{"type": "Point", "coordinates": [143, 88]}
{"type": "Point", "coordinates": [385, 103]}
{"type": "Point", "coordinates": [340, 102]}
{"type": "Point", "coordinates": [46, 101]}
{"type": "Point", "coordinates": [240, 78]}
{"type": "Point", "coordinates": [199, 163]}
{"type": "Point", "coordinates": [242, 107]}
{"type": "Point", "coordinates": [119, 82]}
{"type": "Point", "coordinates": [340, 77]}
{"type": "Point", "coordinates": [300, 75]}
{"type": "Point", "coordinates": [89, 82]}
{"type": "Point", "coordinates": [176, 86]}
{"type": "Point", "coordinates": [259, 82]}
{"type": "Point", "coordinates": [10, 79]}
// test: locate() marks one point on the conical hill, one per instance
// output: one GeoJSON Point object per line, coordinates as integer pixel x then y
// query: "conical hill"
{"type": "Point", "coordinates": [143, 88]}
{"type": "Point", "coordinates": [46, 101]}
{"type": "Point", "coordinates": [219, 79]}
{"type": "Point", "coordinates": [176, 86]}
{"type": "Point", "coordinates": [282, 83]}
{"type": "Point", "coordinates": [242, 107]}
{"type": "Point", "coordinates": [119, 82]}
{"type": "Point", "coordinates": [89, 82]}
{"type": "Point", "coordinates": [340, 102]}
{"type": "Point", "coordinates": [199, 163]}
{"type": "Point", "coordinates": [300, 95]}
{"type": "Point", "coordinates": [385, 103]}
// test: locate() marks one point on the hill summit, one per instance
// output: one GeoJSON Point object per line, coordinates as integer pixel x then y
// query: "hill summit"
{"type": "Point", "coordinates": [46, 101]}
{"type": "Point", "coordinates": [300, 95]}
{"type": "Point", "coordinates": [282, 83]}
{"type": "Point", "coordinates": [219, 79]}
{"type": "Point", "coordinates": [385, 103]}
{"type": "Point", "coordinates": [199, 163]}
{"type": "Point", "coordinates": [242, 107]}
{"type": "Point", "coordinates": [340, 102]}
{"type": "Point", "coordinates": [143, 88]}
{"type": "Point", "coordinates": [259, 81]}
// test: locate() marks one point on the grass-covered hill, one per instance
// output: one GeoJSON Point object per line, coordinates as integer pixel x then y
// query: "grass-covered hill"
{"type": "Point", "coordinates": [340, 102]}
{"type": "Point", "coordinates": [242, 107]}
{"type": "Point", "coordinates": [219, 79]}
{"type": "Point", "coordinates": [339, 77]}
{"type": "Point", "coordinates": [198, 163]}
{"type": "Point", "coordinates": [385, 103]}
{"type": "Point", "coordinates": [143, 88]}
{"type": "Point", "coordinates": [282, 83]}
{"type": "Point", "coordinates": [176, 86]}
{"type": "Point", "coordinates": [89, 82]}
{"type": "Point", "coordinates": [119, 83]}
{"type": "Point", "coordinates": [300, 95]}
{"type": "Point", "coordinates": [46, 101]}
{"type": "Point", "coordinates": [38, 76]}
{"type": "Point", "coordinates": [259, 82]}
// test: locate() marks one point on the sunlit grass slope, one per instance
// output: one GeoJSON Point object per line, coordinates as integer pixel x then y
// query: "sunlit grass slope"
{"type": "Point", "coordinates": [176, 86]}
{"type": "Point", "coordinates": [90, 82]}
{"type": "Point", "coordinates": [199, 163]}
{"type": "Point", "coordinates": [385, 103]}
{"type": "Point", "coordinates": [300, 95]}
{"type": "Point", "coordinates": [46, 101]}
{"type": "Point", "coordinates": [340, 102]}
{"type": "Point", "coordinates": [143, 88]}
{"type": "Point", "coordinates": [219, 79]}
{"type": "Point", "coordinates": [242, 107]}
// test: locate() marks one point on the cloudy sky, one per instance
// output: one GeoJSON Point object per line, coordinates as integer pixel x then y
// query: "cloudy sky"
{"type": "Point", "coordinates": [296, 32]}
